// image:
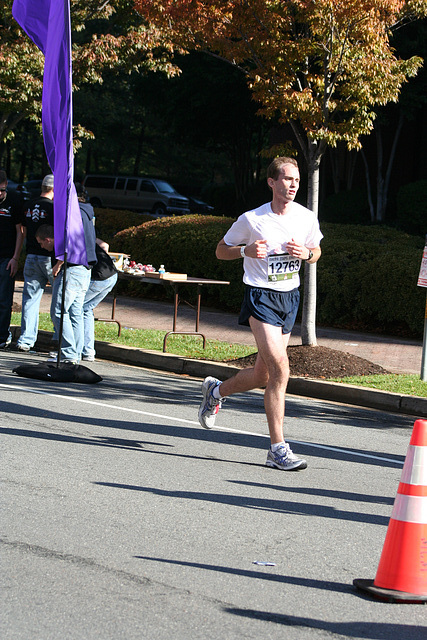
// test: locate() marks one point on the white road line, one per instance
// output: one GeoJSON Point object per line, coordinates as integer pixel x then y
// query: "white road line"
{"type": "Point", "coordinates": [193, 422]}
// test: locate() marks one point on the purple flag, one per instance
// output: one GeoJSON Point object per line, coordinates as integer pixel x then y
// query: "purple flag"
{"type": "Point", "coordinates": [47, 23]}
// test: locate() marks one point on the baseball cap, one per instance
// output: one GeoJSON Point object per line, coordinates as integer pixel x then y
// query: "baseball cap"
{"type": "Point", "coordinates": [48, 181]}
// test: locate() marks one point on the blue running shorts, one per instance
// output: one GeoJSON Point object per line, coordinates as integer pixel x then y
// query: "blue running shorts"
{"type": "Point", "coordinates": [278, 308]}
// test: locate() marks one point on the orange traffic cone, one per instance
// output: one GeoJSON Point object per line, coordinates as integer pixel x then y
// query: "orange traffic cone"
{"type": "Point", "coordinates": [402, 571]}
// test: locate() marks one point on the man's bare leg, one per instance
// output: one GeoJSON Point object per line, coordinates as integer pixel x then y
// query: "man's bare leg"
{"type": "Point", "coordinates": [271, 370]}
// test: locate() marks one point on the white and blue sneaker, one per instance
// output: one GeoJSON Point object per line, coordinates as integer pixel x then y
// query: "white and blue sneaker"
{"type": "Point", "coordinates": [210, 405]}
{"type": "Point", "coordinates": [285, 459]}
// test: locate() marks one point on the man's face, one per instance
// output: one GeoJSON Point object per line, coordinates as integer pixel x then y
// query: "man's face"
{"type": "Point", "coordinates": [3, 190]}
{"type": "Point", "coordinates": [46, 244]}
{"type": "Point", "coordinates": [287, 184]}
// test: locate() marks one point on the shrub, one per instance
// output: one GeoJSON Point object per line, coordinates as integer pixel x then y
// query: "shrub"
{"type": "Point", "coordinates": [109, 221]}
{"type": "Point", "coordinates": [346, 207]}
{"type": "Point", "coordinates": [185, 244]}
{"type": "Point", "coordinates": [367, 275]}
{"type": "Point", "coordinates": [411, 204]}
{"type": "Point", "coordinates": [367, 279]}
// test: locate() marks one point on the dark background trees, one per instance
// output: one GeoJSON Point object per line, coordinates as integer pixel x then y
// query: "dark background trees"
{"type": "Point", "coordinates": [200, 130]}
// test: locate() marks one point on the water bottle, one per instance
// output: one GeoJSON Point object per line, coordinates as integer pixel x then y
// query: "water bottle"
{"type": "Point", "coordinates": [162, 269]}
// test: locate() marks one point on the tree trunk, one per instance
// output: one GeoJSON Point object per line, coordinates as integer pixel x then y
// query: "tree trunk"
{"type": "Point", "coordinates": [385, 183]}
{"type": "Point", "coordinates": [308, 323]}
{"type": "Point", "coordinates": [368, 187]}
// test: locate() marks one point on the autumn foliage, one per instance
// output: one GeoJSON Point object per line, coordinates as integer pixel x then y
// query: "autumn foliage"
{"type": "Point", "coordinates": [106, 36]}
{"type": "Point", "coordinates": [323, 63]}
{"type": "Point", "coordinates": [320, 65]}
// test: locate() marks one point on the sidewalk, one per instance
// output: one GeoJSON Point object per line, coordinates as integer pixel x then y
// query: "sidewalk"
{"type": "Point", "coordinates": [394, 354]}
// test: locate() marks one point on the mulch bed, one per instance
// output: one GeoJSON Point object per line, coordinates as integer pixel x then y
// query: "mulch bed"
{"type": "Point", "coordinates": [321, 362]}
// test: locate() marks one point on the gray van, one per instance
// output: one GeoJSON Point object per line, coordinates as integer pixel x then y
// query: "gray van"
{"type": "Point", "coordinates": [135, 194]}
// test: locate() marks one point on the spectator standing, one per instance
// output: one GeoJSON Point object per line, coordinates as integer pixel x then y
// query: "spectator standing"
{"type": "Point", "coordinates": [103, 278]}
{"type": "Point", "coordinates": [273, 241]}
{"type": "Point", "coordinates": [77, 283]}
{"type": "Point", "coordinates": [11, 240]}
{"type": "Point", "coordinates": [37, 268]}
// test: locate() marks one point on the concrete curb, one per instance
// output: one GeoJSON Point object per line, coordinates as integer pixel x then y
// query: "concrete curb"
{"type": "Point", "coordinates": [348, 394]}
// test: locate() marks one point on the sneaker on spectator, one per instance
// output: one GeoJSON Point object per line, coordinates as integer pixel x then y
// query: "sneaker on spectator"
{"type": "Point", "coordinates": [285, 459]}
{"type": "Point", "coordinates": [53, 356]}
{"type": "Point", "coordinates": [88, 358]}
{"type": "Point", "coordinates": [24, 348]}
{"type": "Point", "coordinates": [209, 406]}
{"type": "Point", "coordinates": [4, 345]}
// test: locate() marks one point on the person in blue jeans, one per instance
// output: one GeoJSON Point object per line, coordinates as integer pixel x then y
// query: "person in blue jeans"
{"type": "Point", "coordinates": [37, 268]}
{"type": "Point", "coordinates": [77, 283]}
{"type": "Point", "coordinates": [11, 240]}
{"type": "Point", "coordinates": [103, 278]}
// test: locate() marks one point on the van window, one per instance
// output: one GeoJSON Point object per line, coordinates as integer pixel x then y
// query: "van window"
{"type": "Point", "coordinates": [120, 184]}
{"type": "Point", "coordinates": [164, 187]}
{"type": "Point", "coordinates": [131, 184]}
{"type": "Point", "coordinates": [100, 182]}
{"type": "Point", "coordinates": [147, 185]}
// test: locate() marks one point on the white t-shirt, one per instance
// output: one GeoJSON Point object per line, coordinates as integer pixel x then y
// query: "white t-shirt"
{"type": "Point", "coordinates": [278, 271]}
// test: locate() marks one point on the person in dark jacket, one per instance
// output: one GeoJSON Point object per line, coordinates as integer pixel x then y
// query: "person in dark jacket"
{"type": "Point", "coordinates": [37, 268]}
{"type": "Point", "coordinates": [11, 239]}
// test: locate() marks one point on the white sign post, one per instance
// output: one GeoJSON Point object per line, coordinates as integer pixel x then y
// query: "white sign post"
{"type": "Point", "coordinates": [422, 282]}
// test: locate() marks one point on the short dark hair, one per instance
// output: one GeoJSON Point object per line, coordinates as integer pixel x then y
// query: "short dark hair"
{"type": "Point", "coordinates": [44, 232]}
{"type": "Point", "coordinates": [273, 170]}
{"type": "Point", "coordinates": [3, 175]}
{"type": "Point", "coordinates": [82, 194]}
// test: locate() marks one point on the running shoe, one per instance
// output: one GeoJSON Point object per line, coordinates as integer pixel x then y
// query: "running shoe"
{"type": "Point", "coordinates": [210, 405]}
{"type": "Point", "coordinates": [24, 348]}
{"type": "Point", "coordinates": [284, 459]}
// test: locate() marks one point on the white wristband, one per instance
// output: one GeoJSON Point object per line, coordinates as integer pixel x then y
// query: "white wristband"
{"type": "Point", "coordinates": [242, 251]}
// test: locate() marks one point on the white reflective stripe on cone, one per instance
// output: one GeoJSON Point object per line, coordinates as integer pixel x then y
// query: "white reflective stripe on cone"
{"type": "Point", "coordinates": [410, 509]}
{"type": "Point", "coordinates": [415, 467]}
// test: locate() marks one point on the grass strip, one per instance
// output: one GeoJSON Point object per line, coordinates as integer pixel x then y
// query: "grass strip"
{"type": "Point", "coordinates": [405, 384]}
{"type": "Point", "coordinates": [192, 347]}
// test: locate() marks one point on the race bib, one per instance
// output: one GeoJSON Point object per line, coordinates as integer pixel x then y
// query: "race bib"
{"type": "Point", "coordinates": [283, 267]}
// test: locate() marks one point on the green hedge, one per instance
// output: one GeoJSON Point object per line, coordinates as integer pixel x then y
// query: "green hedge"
{"type": "Point", "coordinates": [367, 275]}
{"type": "Point", "coordinates": [185, 244]}
{"type": "Point", "coordinates": [411, 207]}
{"type": "Point", "coordinates": [109, 221]}
{"type": "Point", "coordinates": [367, 279]}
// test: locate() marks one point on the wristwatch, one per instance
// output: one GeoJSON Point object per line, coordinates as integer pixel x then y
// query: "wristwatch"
{"type": "Point", "coordinates": [242, 251]}
{"type": "Point", "coordinates": [310, 254]}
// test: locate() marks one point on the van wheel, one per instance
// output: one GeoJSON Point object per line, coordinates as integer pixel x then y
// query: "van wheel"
{"type": "Point", "coordinates": [159, 209]}
{"type": "Point", "coordinates": [95, 202]}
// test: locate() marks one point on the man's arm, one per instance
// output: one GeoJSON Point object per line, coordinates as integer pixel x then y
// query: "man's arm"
{"type": "Point", "coordinates": [316, 251]}
{"type": "Point", "coordinates": [104, 245]}
{"type": "Point", "coordinates": [57, 267]}
{"type": "Point", "coordinates": [300, 251]}
{"type": "Point", "coordinates": [12, 265]}
{"type": "Point", "coordinates": [257, 249]}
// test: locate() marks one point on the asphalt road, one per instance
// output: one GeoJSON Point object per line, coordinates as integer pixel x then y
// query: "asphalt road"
{"type": "Point", "coordinates": [122, 518]}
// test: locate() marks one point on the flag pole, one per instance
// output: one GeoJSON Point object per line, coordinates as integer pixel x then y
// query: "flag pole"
{"type": "Point", "coordinates": [48, 24]}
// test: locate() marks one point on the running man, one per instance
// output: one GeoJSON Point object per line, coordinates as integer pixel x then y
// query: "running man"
{"type": "Point", "coordinates": [273, 241]}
